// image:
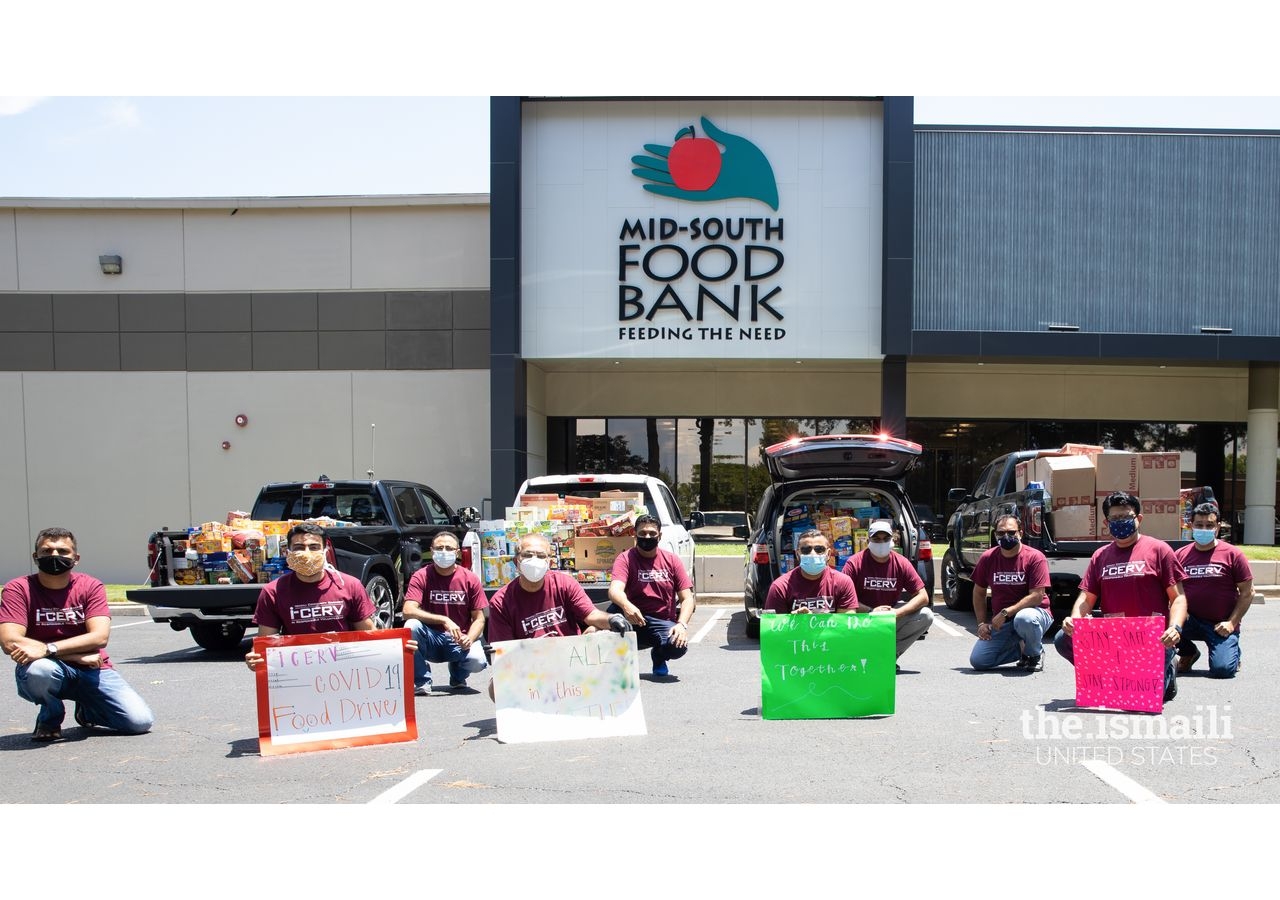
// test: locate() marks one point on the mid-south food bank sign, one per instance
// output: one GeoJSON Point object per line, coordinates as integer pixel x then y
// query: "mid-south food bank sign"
{"type": "Point", "coordinates": [686, 229]}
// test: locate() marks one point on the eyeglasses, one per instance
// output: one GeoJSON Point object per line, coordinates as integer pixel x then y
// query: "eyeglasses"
{"type": "Point", "coordinates": [1006, 534]}
{"type": "Point", "coordinates": [881, 538]}
{"type": "Point", "coordinates": [309, 548]}
{"type": "Point", "coordinates": [529, 554]}
{"type": "Point", "coordinates": [812, 551]}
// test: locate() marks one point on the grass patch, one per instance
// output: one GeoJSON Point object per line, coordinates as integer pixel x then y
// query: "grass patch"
{"type": "Point", "coordinates": [717, 548]}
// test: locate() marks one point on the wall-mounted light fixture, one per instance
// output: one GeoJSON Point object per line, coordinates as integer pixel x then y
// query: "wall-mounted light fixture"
{"type": "Point", "coordinates": [1214, 329]}
{"type": "Point", "coordinates": [111, 264]}
{"type": "Point", "coordinates": [1054, 326]}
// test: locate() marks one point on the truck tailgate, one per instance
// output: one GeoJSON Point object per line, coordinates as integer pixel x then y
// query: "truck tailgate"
{"type": "Point", "coordinates": [199, 596]}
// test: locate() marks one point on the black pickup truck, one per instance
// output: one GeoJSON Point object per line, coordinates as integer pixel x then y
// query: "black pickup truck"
{"type": "Point", "coordinates": [971, 532]}
{"type": "Point", "coordinates": [386, 537]}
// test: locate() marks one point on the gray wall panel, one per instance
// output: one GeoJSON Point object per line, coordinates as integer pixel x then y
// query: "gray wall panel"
{"type": "Point", "coordinates": [86, 351]}
{"type": "Point", "coordinates": [1113, 232]}
{"type": "Point", "coordinates": [153, 351]}
{"type": "Point", "coordinates": [26, 352]}
{"type": "Point", "coordinates": [26, 312]}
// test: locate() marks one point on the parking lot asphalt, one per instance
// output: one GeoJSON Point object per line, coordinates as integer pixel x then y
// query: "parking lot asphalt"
{"type": "Point", "coordinates": [957, 737]}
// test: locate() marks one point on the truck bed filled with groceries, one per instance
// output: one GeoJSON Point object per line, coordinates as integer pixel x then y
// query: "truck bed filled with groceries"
{"type": "Point", "coordinates": [586, 534]}
{"type": "Point", "coordinates": [239, 551]}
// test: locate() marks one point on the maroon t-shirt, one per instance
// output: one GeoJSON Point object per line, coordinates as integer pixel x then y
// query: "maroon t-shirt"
{"type": "Point", "coordinates": [882, 583]}
{"type": "Point", "coordinates": [337, 602]}
{"type": "Point", "coordinates": [652, 584]}
{"type": "Point", "coordinates": [51, 616]}
{"type": "Point", "coordinates": [556, 609]}
{"type": "Point", "coordinates": [831, 592]}
{"type": "Point", "coordinates": [1009, 579]}
{"type": "Point", "coordinates": [1212, 576]}
{"type": "Point", "coordinates": [455, 596]}
{"type": "Point", "coordinates": [1133, 581]}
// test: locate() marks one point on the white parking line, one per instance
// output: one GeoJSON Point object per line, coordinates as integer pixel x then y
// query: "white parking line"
{"type": "Point", "coordinates": [707, 627]}
{"type": "Point", "coordinates": [942, 623]}
{"type": "Point", "coordinates": [405, 788]}
{"type": "Point", "coordinates": [131, 624]}
{"type": "Point", "coordinates": [1122, 783]}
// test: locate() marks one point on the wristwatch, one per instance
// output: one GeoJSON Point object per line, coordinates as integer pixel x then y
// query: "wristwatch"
{"type": "Point", "coordinates": [51, 650]}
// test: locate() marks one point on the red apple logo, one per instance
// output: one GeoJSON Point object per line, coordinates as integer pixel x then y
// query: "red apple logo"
{"type": "Point", "coordinates": [694, 162]}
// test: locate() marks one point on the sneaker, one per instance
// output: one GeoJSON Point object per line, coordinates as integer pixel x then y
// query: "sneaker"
{"type": "Point", "coordinates": [1033, 663]}
{"type": "Point", "coordinates": [1171, 691]}
{"type": "Point", "coordinates": [1022, 662]}
{"type": "Point", "coordinates": [80, 718]}
{"type": "Point", "coordinates": [422, 690]}
{"type": "Point", "coordinates": [1186, 662]}
{"type": "Point", "coordinates": [458, 684]}
{"type": "Point", "coordinates": [660, 669]}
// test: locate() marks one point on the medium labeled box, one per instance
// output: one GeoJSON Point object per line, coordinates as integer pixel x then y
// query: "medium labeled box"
{"type": "Point", "coordinates": [1162, 518]}
{"type": "Point", "coordinates": [1159, 475]}
{"type": "Point", "coordinates": [1116, 472]}
{"type": "Point", "coordinates": [1068, 479]}
{"type": "Point", "coordinates": [1023, 473]}
{"type": "Point", "coordinates": [1076, 523]}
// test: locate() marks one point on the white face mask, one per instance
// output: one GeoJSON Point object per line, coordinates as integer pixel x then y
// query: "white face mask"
{"type": "Point", "coordinates": [880, 550]}
{"type": "Point", "coordinates": [534, 569]}
{"type": "Point", "coordinates": [444, 558]}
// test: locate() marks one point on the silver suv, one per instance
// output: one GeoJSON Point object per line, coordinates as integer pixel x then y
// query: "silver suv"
{"type": "Point", "coordinates": [855, 475]}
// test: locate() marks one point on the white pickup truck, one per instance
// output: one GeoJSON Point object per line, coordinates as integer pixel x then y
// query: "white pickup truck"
{"type": "Point", "coordinates": [658, 499]}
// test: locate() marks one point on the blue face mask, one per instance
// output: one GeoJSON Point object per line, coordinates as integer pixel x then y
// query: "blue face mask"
{"type": "Point", "coordinates": [1122, 528]}
{"type": "Point", "coordinates": [813, 565]}
{"type": "Point", "coordinates": [1204, 535]}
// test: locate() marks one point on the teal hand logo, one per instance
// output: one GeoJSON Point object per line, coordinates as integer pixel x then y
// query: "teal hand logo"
{"type": "Point", "coordinates": [695, 168]}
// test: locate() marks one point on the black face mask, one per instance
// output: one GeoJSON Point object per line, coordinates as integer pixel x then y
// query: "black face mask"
{"type": "Point", "coordinates": [55, 565]}
{"type": "Point", "coordinates": [647, 544]}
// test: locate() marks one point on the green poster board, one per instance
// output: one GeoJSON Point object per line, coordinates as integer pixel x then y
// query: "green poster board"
{"type": "Point", "coordinates": [827, 665]}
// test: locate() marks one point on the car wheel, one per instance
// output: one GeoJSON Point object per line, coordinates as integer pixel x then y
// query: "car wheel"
{"type": "Point", "coordinates": [384, 602]}
{"type": "Point", "coordinates": [753, 627]}
{"type": "Point", "coordinates": [218, 637]}
{"type": "Point", "coordinates": [956, 592]}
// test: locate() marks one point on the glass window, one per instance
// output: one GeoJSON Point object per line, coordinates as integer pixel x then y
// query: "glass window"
{"type": "Point", "coordinates": [437, 512]}
{"type": "Point", "coordinates": [410, 507]}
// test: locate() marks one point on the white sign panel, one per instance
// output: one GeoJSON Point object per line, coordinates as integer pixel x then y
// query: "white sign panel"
{"type": "Point", "coordinates": [726, 229]}
{"type": "Point", "coordinates": [566, 688]}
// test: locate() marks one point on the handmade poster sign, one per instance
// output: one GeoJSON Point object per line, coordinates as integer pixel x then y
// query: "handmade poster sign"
{"type": "Point", "coordinates": [325, 691]}
{"type": "Point", "coordinates": [827, 666]}
{"type": "Point", "coordinates": [564, 688]}
{"type": "Point", "coordinates": [1120, 662]}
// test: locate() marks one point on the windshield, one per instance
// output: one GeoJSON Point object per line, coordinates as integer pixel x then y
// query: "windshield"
{"type": "Point", "coordinates": [725, 519]}
{"type": "Point", "coordinates": [359, 506]}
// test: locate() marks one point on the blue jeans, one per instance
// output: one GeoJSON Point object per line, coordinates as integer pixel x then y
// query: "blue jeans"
{"type": "Point", "coordinates": [1224, 652]}
{"type": "Point", "coordinates": [655, 636]}
{"type": "Point", "coordinates": [437, 647]}
{"type": "Point", "coordinates": [1022, 636]}
{"type": "Point", "coordinates": [101, 694]}
{"type": "Point", "coordinates": [1062, 643]}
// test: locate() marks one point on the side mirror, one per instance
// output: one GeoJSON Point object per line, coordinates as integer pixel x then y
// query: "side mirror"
{"type": "Point", "coordinates": [741, 531]}
{"type": "Point", "coordinates": [466, 515]}
{"type": "Point", "coordinates": [957, 495]}
{"type": "Point", "coordinates": [695, 520]}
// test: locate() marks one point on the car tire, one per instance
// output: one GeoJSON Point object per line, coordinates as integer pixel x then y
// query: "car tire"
{"type": "Point", "coordinates": [218, 637]}
{"type": "Point", "coordinates": [956, 592]}
{"type": "Point", "coordinates": [753, 627]}
{"type": "Point", "coordinates": [383, 596]}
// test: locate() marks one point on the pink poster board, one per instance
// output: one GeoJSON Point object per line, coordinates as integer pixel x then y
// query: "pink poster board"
{"type": "Point", "coordinates": [1120, 663]}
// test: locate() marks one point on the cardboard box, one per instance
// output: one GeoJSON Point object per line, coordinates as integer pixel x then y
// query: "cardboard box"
{"type": "Point", "coordinates": [1091, 450]}
{"type": "Point", "coordinates": [1162, 518]}
{"type": "Point", "coordinates": [1068, 479]}
{"type": "Point", "coordinates": [1076, 523]}
{"type": "Point", "coordinates": [1022, 473]}
{"type": "Point", "coordinates": [599, 553]}
{"type": "Point", "coordinates": [1116, 472]}
{"type": "Point", "coordinates": [1159, 475]}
